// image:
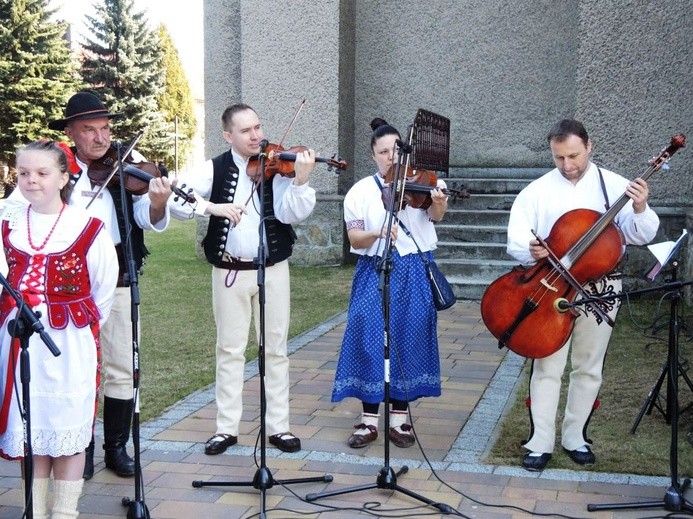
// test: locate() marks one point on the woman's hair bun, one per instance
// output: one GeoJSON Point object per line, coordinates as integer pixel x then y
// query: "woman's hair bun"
{"type": "Point", "coordinates": [377, 123]}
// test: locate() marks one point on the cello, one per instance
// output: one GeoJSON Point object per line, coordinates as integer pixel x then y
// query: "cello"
{"type": "Point", "coordinates": [528, 309]}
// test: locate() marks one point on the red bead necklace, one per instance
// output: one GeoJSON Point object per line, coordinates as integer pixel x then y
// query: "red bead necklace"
{"type": "Point", "coordinates": [50, 233]}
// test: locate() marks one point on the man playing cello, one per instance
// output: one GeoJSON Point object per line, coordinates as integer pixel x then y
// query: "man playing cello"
{"type": "Point", "coordinates": [575, 183]}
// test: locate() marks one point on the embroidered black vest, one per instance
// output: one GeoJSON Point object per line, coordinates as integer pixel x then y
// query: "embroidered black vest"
{"type": "Point", "coordinates": [280, 236]}
{"type": "Point", "coordinates": [139, 249]}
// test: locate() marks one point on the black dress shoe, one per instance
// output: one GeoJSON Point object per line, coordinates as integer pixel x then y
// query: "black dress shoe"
{"type": "Point", "coordinates": [582, 458]}
{"type": "Point", "coordinates": [536, 463]}
{"type": "Point", "coordinates": [286, 442]}
{"type": "Point", "coordinates": [219, 443]}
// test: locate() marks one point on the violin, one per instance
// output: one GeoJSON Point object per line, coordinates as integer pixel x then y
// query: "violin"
{"type": "Point", "coordinates": [417, 188]}
{"type": "Point", "coordinates": [137, 174]}
{"type": "Point", "coordinates": [101, 171]}
{"type": "Point", "coordinates": [280, 161]}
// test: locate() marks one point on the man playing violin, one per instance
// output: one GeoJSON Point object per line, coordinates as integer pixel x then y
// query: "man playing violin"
{"type": "Point", "coordinates": [575, 183]}
{"type": "Point", "coordinates": [232, 202]}
{"type": "Point", "coordinates": [87, 124]}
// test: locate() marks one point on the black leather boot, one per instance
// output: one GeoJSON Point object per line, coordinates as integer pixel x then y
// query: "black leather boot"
{"type": "Point", "coordinates": [117, 417]}
{"type": "Point", "coordinates": [89, 461]}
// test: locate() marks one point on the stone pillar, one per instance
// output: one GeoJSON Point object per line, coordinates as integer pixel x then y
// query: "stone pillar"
{"type": "Point", "coordinates": [278, 54]}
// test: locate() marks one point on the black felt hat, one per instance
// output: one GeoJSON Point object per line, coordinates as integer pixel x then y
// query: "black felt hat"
{"type": "Point", "coordinates": [82, 105]}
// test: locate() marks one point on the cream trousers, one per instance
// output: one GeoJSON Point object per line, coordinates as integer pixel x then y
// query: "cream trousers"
{"type": "Point", "coordinates": [587, 345]}
{"type": "Point", "coordinates": [235, 297]}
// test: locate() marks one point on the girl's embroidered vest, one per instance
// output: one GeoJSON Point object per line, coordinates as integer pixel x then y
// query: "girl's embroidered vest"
{"type": "Point", "coordinates": [67, 290]}
{"type": "Point", "coordinates": [139, 249]}
{"type": "Point", "coordinates": [280, 236]}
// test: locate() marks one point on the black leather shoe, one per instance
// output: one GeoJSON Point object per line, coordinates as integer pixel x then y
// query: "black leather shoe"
{"type": "Point", "coordinates": [536, 463]}
{"type": "Point", "coordinates": [582, 458]}
{"type": "Point", "coordinates": [286, 442]}
{"type": "Point", "coordinates": [219, 443]}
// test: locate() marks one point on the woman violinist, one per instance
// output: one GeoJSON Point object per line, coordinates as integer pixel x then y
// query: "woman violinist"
{"type": "Point", "coordinates": [575, 183]}
{"type": "Point", "coordinates": [415, 365]}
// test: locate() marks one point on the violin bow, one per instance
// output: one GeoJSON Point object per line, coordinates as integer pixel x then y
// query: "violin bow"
{"type": "Point", "coordinates": [122, 156]}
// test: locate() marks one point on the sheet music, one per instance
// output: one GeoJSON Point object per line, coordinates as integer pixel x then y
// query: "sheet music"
{"type": "Point", "coordinates": [663, 252]}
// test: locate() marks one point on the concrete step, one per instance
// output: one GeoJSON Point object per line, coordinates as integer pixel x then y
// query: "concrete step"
{"type": "Point", "coordinates": [485, 201]}
{"type": "Point", "coordinates": [468, 288]}
{"type": "Point", "coordinates": [472, 233]}
{"type": "Point", "coordinates": [472, 237]}
{"type": "Point", "coordinates": [471, 268]}
{"type": "Point", "coordinates": [523, 173]}
{"type": "Point", "coordinates": [490, 185]}
{"type": "Point", "coordinates": [479, 251]}
{"type": "Point", "coordinates": [476, 217]}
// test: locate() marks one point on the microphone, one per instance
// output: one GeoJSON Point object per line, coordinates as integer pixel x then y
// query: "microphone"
{"type": "Point", "coordinates": [562, 304]}
{"type": "Point", "coordinates": [263, 144]}
{"type": "Point", "coordinates": [406, 148]}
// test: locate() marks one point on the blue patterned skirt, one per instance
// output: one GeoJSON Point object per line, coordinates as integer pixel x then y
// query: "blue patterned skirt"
{"type": "Point", "coordinates": [414, 358]}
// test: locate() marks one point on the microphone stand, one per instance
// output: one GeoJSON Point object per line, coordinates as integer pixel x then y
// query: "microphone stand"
{"type": "Point", "coordinates": [673, 499]}
{"type": "Point", "coordinates": [263, 478]}
{"type": "Point", "coordinates": [25, 323]}
{"type": "Point", "coordinates": [387, 477]}
{"type": "Point", "coordinates": [137, 508]}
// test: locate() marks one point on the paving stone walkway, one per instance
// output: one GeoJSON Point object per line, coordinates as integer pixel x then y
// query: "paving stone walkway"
{"type": "Point", "coordinates": [455, 430]}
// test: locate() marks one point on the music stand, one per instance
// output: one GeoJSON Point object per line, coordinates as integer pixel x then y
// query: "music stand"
{"type": "Point", "coordinates": [664, 252]}
{"type": "Point", "coordinates": [427, 128]}
{"type": "Point", "coordinates": [25, 323]}
{"type": "Point", "coordinates": [673, 499]}
{"type": "Point", "coordinates": [263, 478]}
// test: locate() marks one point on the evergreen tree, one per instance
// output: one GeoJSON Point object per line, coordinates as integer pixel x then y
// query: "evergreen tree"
{"type": "Point", "coordinates": [176, 101]}
{"type": "Point", "coordinates": [37, 73]}
{"type": "Point", "coordinates": [122, 65]}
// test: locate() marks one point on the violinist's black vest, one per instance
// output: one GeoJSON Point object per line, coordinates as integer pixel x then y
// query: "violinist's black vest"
{"type": "Point", "coordinates": [139, 250]}
{"type": "Point", "coordinates": [280, 236]}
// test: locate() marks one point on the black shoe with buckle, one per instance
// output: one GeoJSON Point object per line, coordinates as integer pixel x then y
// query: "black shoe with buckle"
{"type": "Point", "coordinates": [219, 443]}
{"type": "Point", "coordinates": [536, 463]}
{"type": "Point", "coordinates": [580, 457]}
{"type": "Point", "coordinates": [286, 442]}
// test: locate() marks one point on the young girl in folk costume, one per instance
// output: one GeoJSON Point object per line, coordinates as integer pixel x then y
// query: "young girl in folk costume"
{"type": "Point", "coordinates": [65, 267]}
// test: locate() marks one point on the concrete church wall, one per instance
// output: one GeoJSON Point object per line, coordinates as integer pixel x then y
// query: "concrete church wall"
{"type": "Point", "coordinates": [502, 71]}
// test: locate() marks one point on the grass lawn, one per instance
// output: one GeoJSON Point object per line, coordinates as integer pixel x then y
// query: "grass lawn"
{"type": "Point", "coordinates": [178, 334]}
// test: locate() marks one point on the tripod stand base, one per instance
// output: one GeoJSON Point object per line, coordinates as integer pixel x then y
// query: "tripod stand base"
{"type": "Point", "coordinates": [136, 509]}
{"type": "Point", "coordinates": [387, 479]}
{"type": "Point", "coordinates": [673, 501]}
{"type": "Point", "coordinates": [262, 480]}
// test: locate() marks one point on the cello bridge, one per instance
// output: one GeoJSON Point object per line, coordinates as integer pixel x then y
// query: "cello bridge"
{"type": "Point", "coordinates": [547, 285]}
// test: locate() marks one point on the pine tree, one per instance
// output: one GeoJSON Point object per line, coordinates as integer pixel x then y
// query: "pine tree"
{"type": "Point", "coordinates": [37, 73]}
{"type": "Point", "coordinates": [122, 65]}
{"type": "Point", "coordinates": [176, 101]}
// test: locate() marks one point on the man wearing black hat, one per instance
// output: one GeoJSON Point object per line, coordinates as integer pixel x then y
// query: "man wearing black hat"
{"type": "Point", "coordinates": [87, 124]}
